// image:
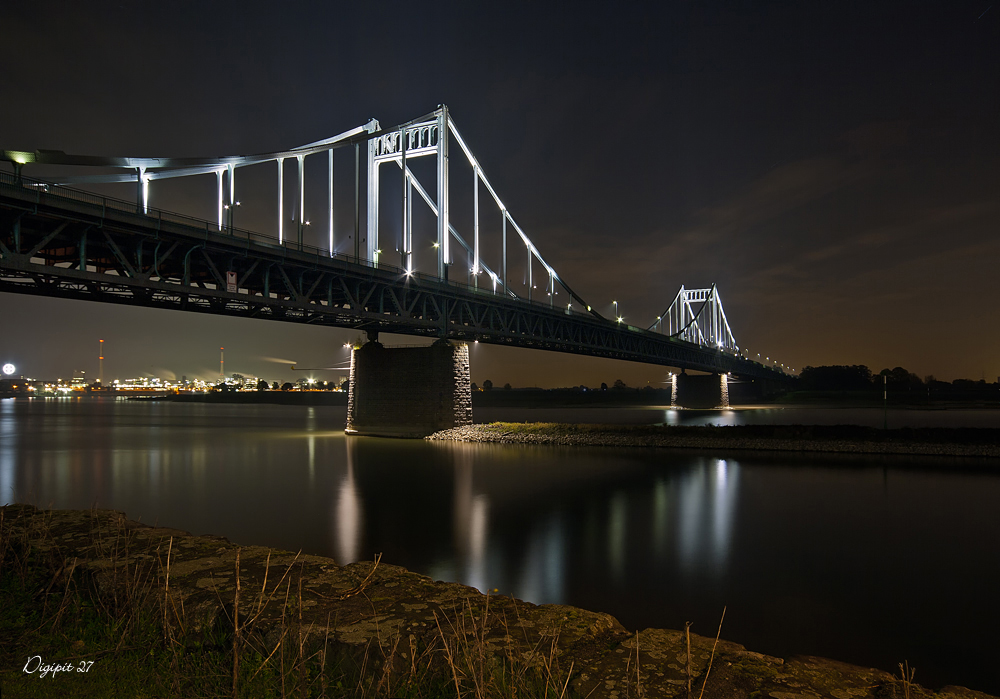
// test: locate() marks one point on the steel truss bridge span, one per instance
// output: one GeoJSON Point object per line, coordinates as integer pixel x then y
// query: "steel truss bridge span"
{"type": "Point", "coordinates": [61, 242]}
{"type": "Point", "coordinates": [61, 245]}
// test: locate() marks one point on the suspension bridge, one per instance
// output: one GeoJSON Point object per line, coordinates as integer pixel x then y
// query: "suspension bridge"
{"type": "Point", "coordinates": [60, 240]}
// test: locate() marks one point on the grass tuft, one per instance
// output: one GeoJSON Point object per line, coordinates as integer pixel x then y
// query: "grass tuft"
{"type": "Point", "coordinates": [126, 622]}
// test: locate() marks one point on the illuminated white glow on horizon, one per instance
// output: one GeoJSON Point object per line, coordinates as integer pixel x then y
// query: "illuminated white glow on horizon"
{"type": "Point", "coordinates": [8, 369]}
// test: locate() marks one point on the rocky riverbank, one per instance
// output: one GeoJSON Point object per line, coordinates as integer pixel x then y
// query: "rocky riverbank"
{"type": "Point", "coordinates": [844, 439]}
{"type": "Point", "coordinates": [344, 630]}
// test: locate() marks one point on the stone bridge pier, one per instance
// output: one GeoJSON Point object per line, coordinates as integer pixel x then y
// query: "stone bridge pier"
{"type": "Point", "coordinates": [408, 391]}
{"type": "Point", "coordinates": [700, 390]}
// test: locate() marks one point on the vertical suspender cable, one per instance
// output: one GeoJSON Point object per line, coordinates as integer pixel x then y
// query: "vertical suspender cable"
{"type": "Point", "coordinates": [281, 200]}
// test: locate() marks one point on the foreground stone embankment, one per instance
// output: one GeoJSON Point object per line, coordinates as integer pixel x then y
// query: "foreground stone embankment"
{"type": "Point", "coordinates": [843, 439]}
{"type": "Point", "coordinates": [387, 614]}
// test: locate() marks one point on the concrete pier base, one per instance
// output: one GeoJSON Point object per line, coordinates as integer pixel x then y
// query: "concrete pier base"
{"type": "Point", "coordinates": [408, 391]}
{"type": "Point", "coordinates": [702, 391]}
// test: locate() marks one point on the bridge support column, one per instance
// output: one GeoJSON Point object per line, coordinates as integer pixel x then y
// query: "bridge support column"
{"type": "Point", "coordinates": [408, 391]}
{"type": "Point", "coordinates": [702, 391]}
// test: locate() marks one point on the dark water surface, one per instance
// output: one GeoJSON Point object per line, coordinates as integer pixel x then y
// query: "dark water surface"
{"type": "Point", "coordinates": [870, 560]}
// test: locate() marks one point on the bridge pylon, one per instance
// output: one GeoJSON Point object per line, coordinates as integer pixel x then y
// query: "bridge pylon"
{"type": "Point", "coordinates": [697, 316]}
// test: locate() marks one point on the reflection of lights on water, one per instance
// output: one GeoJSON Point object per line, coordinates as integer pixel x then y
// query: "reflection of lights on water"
{"type": "Point", "coordinates": [348, 513]}
{"type": "Point", "coordinates": [348, 520]}
{"type": "Point", "coordinates": [543, 570]}
{"type": "Point", "coordinates": [723, 504]}
{"type": "Point", "coordinates": [478, 526]}
{"type": "Point", "coordinates": [8, 447]}
{"type": "Point", "coordinates": [725, 418]}
{"type": "Point", "coordinates": [707, 500]}
{"type": "Point", "coordinates": [312, 459]}
{"type": "Point", "coordinates": [661, 510]}
{"type": "Point", "coordinates": [616, 534]}
{"type": "Point", "coordinates": [683, 520]}
{"type": "Point", "coordinates": [154, 471]}
{"type": "Point", "coordinates": [689, 515]}
{"type": "Point", "coordinates": [470, 521]}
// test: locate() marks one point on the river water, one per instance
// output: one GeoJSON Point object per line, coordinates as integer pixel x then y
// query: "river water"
{"type": "Point", "coordinates": [870, 560]}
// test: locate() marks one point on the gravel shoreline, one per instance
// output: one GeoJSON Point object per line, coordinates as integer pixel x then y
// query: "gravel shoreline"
{"type": "Point", "coordinates": [730, 438]}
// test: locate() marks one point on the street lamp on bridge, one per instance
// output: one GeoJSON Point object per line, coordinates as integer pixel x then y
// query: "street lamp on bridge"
{"type": "Point", "coordinates": [231, 208]}
{"type": "Point", "coordinates": [302, 225]}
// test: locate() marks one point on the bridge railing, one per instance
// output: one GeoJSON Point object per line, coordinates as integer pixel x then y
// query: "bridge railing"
{"type": "Point", "coordinates": [42, 191]}
{"type": "Point", "coordinates": [41, 187]}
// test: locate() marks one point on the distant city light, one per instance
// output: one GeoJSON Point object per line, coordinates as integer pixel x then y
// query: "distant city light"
{"type": "Point", "coordinates": [8, 369]}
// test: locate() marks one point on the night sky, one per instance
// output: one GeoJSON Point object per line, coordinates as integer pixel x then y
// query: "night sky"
{"type": "Point", "coordinates": [833, 167]}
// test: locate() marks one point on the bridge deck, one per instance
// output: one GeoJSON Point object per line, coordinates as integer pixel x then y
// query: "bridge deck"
{"type": "Point", "coordinates": [70, 244]}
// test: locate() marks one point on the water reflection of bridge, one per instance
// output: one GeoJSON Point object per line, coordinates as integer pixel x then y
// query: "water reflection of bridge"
{"type": "Point", "coordinates": [526, 520]}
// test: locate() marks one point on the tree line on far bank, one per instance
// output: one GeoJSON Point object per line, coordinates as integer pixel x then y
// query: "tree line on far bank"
{"type": "Point", "coordinates": [860, 378]}
{"type": "Point", "coordinates": [618, 385]}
